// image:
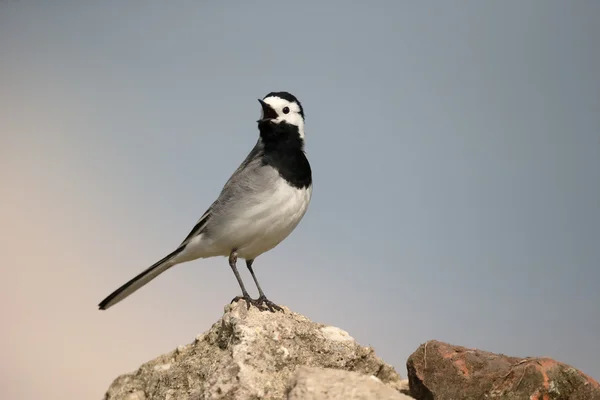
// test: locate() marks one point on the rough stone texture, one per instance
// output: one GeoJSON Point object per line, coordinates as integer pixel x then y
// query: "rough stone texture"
{"type": "Point", "coordinates": [310, 383]}
{"type": "Point", "coordinates": [441, 371]}
{"type": "Point", "coordinates": [403, 387]}
{"type": "Point", "coordinates": [249, 354]}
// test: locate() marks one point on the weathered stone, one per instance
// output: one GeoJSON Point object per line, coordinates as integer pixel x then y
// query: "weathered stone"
{"type": "Point", "coordinates": [441, 371]}
{"type": "Point", "coordinates": [249, 354]}
{"type": "Point", "coordinates": [334, 384]}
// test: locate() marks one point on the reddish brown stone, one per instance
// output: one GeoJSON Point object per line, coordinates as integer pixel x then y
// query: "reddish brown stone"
{"type": "Point", "coordinates": [441, 371]}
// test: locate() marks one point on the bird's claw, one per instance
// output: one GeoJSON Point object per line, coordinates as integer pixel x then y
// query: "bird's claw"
{"type": "Point", "coordinates": [249, 301]}
{"type": "Point", "coordinates": [262, 303]}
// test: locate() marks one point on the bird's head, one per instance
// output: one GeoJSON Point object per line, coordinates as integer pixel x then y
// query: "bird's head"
{"type": "Point", "coordinates": [282, 108]}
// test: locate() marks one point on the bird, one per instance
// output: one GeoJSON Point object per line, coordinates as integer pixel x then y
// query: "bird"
{"type": "Point", "coordinates": [259, 206]}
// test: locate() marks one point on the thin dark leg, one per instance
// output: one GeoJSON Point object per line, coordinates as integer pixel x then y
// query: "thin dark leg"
{"type": "Point", "coordinates": [262, 299]}
{"type": "Point", "coordinates": [245, 296]}
{"type": "Point", "coordinates": [232, 264]}
{"type": "Point", "coordinates": [249, 265]}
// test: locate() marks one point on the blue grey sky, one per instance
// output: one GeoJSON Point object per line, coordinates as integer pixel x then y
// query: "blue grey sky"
{"type": "Point", "coordinates": [454, 148]}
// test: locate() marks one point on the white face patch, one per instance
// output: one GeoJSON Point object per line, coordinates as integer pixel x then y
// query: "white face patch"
{"type": "Point", "coordinates": [293, 117]}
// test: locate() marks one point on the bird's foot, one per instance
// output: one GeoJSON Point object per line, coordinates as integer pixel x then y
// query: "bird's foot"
{"type": "Point", "coordinates": [249, 301]}
{"type": "Point", "coordinates": [263, 301]}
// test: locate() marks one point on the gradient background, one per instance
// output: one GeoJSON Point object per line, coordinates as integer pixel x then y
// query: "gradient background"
{"type": "Point", "coordinates": [455, 149]}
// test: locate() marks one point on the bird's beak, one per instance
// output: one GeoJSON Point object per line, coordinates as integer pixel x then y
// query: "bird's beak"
{"type": "Point", "coordinates": [268, 112]}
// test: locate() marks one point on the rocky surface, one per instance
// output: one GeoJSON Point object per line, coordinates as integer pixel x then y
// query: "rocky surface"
{"type": "Point", "coordinates": [249, 354]}
{"type": "Point", "coordinates": [441, 371]}
{"type": "Point", "coordinates": [320, 383]}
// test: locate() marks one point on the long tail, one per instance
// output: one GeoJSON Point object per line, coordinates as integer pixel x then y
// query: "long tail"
{"type": "Point", "coordinates": [140, 280]}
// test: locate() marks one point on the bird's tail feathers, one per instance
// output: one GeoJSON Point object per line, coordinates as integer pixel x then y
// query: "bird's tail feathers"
{"type": "Point", "coordinates": [140, 280]}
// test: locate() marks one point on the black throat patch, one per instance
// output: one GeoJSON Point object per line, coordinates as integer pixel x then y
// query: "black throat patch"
{"type": "Point", "coordinates": [284, 151]}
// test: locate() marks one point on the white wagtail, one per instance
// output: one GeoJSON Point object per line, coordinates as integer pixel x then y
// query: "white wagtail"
{"type": "Point", "coordinates": [259, 206]}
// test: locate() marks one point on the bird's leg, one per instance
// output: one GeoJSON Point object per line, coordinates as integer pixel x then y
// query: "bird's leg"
{"type": "Point", "coordinates": [245, 296]}
{"type": "Point", "coordinates": [249, 265]}
{"type": "Point", "coordinates": [262, 299]}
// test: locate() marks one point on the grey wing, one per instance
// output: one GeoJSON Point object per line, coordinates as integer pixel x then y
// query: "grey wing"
{"type": "Point", "coordinates": [198, 227]}
{"type": "Point", "coordinates": [231, 190]}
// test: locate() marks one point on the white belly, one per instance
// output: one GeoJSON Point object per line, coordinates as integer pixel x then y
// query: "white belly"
{"type": "Point", "coordinates": [287, 206]}
{"type": "Point", "coordinates": [257, 226]}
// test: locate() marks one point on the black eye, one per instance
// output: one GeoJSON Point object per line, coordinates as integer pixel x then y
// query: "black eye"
{"type": "Point", "coordinates": [286, 110]}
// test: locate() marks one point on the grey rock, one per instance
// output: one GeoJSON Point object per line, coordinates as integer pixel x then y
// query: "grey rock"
{"type": "Point", "coordinates": [248, 354]}
{"type": "Point", "coordinates": [309, 383]}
